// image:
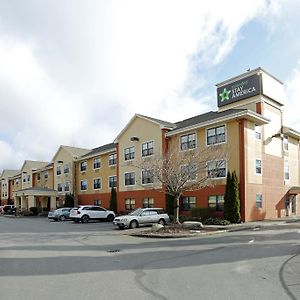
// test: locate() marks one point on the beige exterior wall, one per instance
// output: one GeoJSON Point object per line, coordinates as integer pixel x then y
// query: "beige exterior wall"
{"type": "Point", "coordinates": [62, 160]}
{"type": "Point", "coordinates": [17, 185]}
{"type": "Point", "coordinates": [90, 174]}
{"type": "Point", "coordinates": [292, 159]}
{"type": "Point", "coordinates": [44, 178]}
{"type": "Point", "coordinates": [146, 131]}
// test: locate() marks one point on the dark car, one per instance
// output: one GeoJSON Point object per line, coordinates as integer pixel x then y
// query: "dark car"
{"type": "Point", "coordinates": [60, 214]}
{"type": "Point", "coordinates": [9, 209]}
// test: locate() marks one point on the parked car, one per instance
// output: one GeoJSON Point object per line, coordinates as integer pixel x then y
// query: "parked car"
{"type": "Point", "coordinates": [85, 213]}
{"type": "Point", "coordinates": [142, 216]}
{"type": "Point", "coordinates": [60, 214]}
{"type": "Point", "coordinates": [9, 209]}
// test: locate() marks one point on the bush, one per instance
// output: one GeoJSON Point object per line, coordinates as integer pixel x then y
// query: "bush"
{"type": "Point", "coordinates": [216, 221]}
{"type": "Point", "coordinates": [34, 210]}
{"type": "Point", "coordinates": [202, 213]}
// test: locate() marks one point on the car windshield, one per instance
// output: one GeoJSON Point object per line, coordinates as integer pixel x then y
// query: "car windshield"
{"type": "Point", "coordinates": [136, 212]}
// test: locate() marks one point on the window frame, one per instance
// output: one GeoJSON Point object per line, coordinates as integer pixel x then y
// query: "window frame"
{"type": "Point", "coordinates": [83, 166]}
{"type": "Point", "coordinates": [130, 179]}
{"type": "Point", "coordinates": [188, 142]}
{"type": "Point", "coordinates": [67, 184]}
{"type": "Point", "coordinates": [112, 159]}
{"type": "Point", "coordinates": [258, 134]}
{"type": "Point", "coordinates": [148, 151]}
{"type": "Point", "coordinates": [116, 181]}
{"type": "Point", "coordinates": [100, 183]}
{"type": "Point", "coordinates": [96, 163]}
{"type": "Point", "coordinates": [81, 181]}
{"type": "Point", "coordinates": [217, 206]}
{"type": "Point", "coordinates": [147, 177]}
{"type": "Point", "coordinates": [215, 128]}
{"type": "Point", "coordinates": [147, 201]}
{"type": "Point", "coordinates": [130, 155]}
{"type": "Point", "coordinates": [259, 202]}
{"type": "Point", "coordinates": [187, 206]}
{"type": "Point", "coordinates": [216, 161]}
{"type": "Point", "coordinates": [131, 205]}
{"type": "Point", "coordinates": [258, 167]}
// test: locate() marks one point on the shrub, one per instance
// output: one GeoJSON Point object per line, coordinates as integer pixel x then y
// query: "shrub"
{"type": "Point", "coordinates": [202, 213]}
{"type": "Point", "coordinates": [34, 210]}
{"type": "Point", "coordinates": [216, 221]}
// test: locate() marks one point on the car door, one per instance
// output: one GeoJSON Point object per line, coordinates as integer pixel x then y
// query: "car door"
{"type": "Point", "coordinates": [99, 212]}
{"type": "Point", "coordinates": [154, 216]}
{"type": "Point", "coordinates": [144, 217]}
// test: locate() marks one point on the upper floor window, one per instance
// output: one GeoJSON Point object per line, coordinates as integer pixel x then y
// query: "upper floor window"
{"type": "Point", "coordinates": [216, 168]}
{"type": "Point", "coordinates": [112, 159]}
{"type": "Point", "coordinates": [285, 142]}
{"type": "Point", "coordinates": [286, 171]}
{"type": "Point", "coordinates": [58, 170]}
{"type": "Point", "coordinates": [129, 153]}
{"type": "Point", "coordinates": [66, 169]}
{"type": "Point", "coordinates": [67, 186]}
{"type": "Point", "coordinates": [147, 148]}
{"type": "Point", "coordinates": [215, 135]}
{"type": "Point", "coordinates": [97, 183]}
{"type": "Point", "coordinates": [258, 166]}
{"type": "Point", "coordinates": [83, 166]}
{"type": "Point", "coordinates": [188, 172]}
{"type": "Point", "coordinates": [147, 176]}
{"type": "Point", "coordinates": [216, 202]}
{"type": "Point", "coordinates": [46, 175]}
{"type": "Point", "coordinates": [130, 178]}
{"type": "Point", "coordinates": [97, 163]}
{"type": "Point", "coordinates": [148, 202]}
{"type": "Point", "coordinates": [112, 181]}
{"type": "Point", "coordinates": [17, 181]}
{"type": "Point", "coordinates": [188, 203]}
{"type": "Point", "coordinates": [38, 176]}
{"type": "Point", "coordinates": [83, 185]}
{"type": "Point", "coordinates": [258, 132]}
{"type": "Point", "coordinates": [259, 200]}
{"type": "Point", "coordinates": [59, 187]}
{"type": "Point", "coordinates": [188, 141]}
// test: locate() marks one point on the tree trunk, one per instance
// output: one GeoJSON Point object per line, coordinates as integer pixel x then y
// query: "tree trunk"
{"type": "Point", "coordinates": [176, 210]}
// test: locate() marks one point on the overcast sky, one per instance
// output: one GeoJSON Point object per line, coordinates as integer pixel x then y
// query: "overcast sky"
{"type": "Point", "coordinates": [74, 72]}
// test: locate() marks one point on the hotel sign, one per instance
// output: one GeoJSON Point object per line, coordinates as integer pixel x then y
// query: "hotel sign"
{"type": "Point", "coordinates": [238, 90]}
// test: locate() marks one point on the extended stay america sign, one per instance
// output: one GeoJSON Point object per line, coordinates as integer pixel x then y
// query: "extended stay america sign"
{"type": "Point", "coordinates": [238, 90]}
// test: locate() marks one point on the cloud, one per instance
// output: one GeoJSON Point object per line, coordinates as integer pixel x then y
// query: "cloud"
{"type": "Point", "coordinates": [76, 76]}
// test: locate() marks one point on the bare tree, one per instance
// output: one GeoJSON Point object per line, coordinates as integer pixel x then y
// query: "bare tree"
{"type": "Point", "coordinates": [177, 172]}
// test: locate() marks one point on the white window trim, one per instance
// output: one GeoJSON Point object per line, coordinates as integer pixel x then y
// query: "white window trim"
{"type": "Point", "coordinates": [206, 130]}
{"type": "Point", "coordinates": [134, 179]}
{"type": "Point", "coordinates": [226, 169]}
{"type": "Point", "coordinates": [190, 180]}
{"type": "Point", "coordinates": [150, 183]}
{"type": "Point", "coordinates": [115, 153]}
{"type": "Point", "coordinates": [94, 163]}
{"type": "Point", "coordinates": [143, 157]}
{"type": "Point", "coordinates": [131, 159]}
{"type": "Point", "coordinates": [109, 181]}
{"type": "Point", "coordinates": [258, 174]}
{"type": "Point", "coordinates": [65, 186]}
{"type": "Point", "coordinates": [196, 141]}
{"type": "Point", "coordinates": [86, 185]}
{"type": "Point", "coordinates": [97, 189]}
{"type": "Point", "coordinates": [85, 161]}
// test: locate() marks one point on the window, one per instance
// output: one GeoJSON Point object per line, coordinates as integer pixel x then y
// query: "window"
{"type": "Point", "coordinates": [66, 169]}
{"type": "Point", "coordinates": [286, 143]}
{"type": "Point", "coordinates": [97, 163]}
{"type": "Point", "coordinates": [112, 181]}
{"type": "Point", "coordinates": [17, 181]}
{"type": "Point", "coordinates": [38, 176]}
{"type": "Point", "coordinates": [188, 203]}
{"type": "Point", "coordinates": [259, 200]}
{"type": "Point", "coordinates": [46, 175]}
{"type": "Point", "coordinates": [130, 178]}
{"type": "Point", "coordinates": [129, 204]}
{"type": "Point", "coordinates": [216, 202]}
{"type": "Point", "coordinates": [188, 141]}
{"type": "Point", "coordinates": [215, 135]}
{"type": "Point", "coordinates": [58, 170]}
{"type": "Point", "coordinates": [286, 171]}
{"type": "Point", "coordinates": [97, 183]}
{"type": "Point", "coordinates": [129, 153]}
{"type": "Point", "coordinates": [147, 176]}
{"type": "Point", "coordinates": [216, 169]}
{"type": "Point", "coordinates": [28, 178]}
{"type": "Point", "coordinates": [97, 202]}
{"type": "Point", "coordinates": [67, 186]}
{"type": "Point", "coordinates": [83, 185]}
{"type": "Point", "coordinates": [83, 166]}
{"type": "Point", "coordinates": [257, 132]}
{"type": "Point", "coordinates": [148, 202]}
{"type": "Point", "coordinates": [147, 148]}
{"type": "Point", "coordinates": [59, 187]}
{"type": "Point", "coordinates": [188, 172]}
{"type": "Point", "coordinates": [112, 159]}
{"type": "Point", "coordinates": [258, 166]}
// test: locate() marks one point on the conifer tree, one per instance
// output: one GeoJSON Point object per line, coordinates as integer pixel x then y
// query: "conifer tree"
{"type": "Point", "coordinates": [236, 215]}
{"type": "Point", "coordinates": [227, 197]}
{"type": "Point", "coordinates": [113, 200]}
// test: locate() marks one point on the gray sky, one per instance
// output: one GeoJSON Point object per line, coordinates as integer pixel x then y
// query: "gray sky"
{"type": "Point", "coordinates": [74, 72]}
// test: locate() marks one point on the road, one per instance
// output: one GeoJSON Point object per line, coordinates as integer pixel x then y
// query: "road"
{"type": "Point", "coordinates": [41, 259]}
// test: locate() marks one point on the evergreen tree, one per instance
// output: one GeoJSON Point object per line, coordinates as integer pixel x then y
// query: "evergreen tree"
{"type": "Point", "coordinates": [236, 215]}
{"type": "Point", "coordinates": [113, 200]}
{"type": "Point", "coordinates": [227, 197]}
{"type": "Point", "coordinates": [170, 204]}
{"type": "Point", "coordinates": [69, 200]}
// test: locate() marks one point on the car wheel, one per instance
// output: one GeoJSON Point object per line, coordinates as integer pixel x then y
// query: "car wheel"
{"type": "Point", "coordinates": [62, 218]}
{"type": "Point", "coordinates": [161, 222]}
{"type": "Point", "coordinates": [110, 218]}
{"type": "Point", "coordinates": [85, 219]}
{"type": "Point", "coordinates": [133, 224]}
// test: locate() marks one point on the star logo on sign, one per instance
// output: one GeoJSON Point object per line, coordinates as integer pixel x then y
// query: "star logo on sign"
{"type": "Point", "coordinates": [224, 95]}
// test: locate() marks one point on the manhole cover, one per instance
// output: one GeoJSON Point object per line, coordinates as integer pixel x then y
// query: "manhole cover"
{"type": "Point", "coordinates": [113, 251]}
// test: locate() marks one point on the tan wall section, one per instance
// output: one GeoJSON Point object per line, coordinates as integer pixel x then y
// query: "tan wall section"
{"type": "Point", "coordinates": [44, 182]}
{"type": "Point", "coordinates": [90, 174]}
{"type": "Point", "coordinates": [293, 162]}
{"type": "Point", "coordinates": [146, 131]}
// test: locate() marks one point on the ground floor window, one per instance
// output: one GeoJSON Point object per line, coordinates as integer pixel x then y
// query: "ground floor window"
{"type": "Point", "coordinates": [259, 200]}
{"type": "Point", "coordinates": [216, 202]}
{"type": "Point", "coordinates": [97, 202]}
{"type": "Point", "coordinates": [188, 203]}
{"type": "Point", "coordinates": [148, 202]}
{"type": "Point", "coordinates": [129, 204]}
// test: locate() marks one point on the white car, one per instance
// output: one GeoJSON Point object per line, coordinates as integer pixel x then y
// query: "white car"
{"type": "Point", "coordinates": [85, 213]}
{"type": "Point", "coordinates": [142, 216]}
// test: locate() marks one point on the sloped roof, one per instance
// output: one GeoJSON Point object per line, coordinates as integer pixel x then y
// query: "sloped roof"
{"type": "Point", "coordinates": [74, 151]}
{"type": "Point", "coordinates": [34, 164]}
{"type": "Point", "coordinates": [99, 150]}
{"type": "Point", "coordinates": [9, 173]}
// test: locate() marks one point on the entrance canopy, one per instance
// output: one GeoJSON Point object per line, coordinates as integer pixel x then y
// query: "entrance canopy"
{"type": "Point", "coordinates": [295, 190]}
{"type": "Point", "coordinates": [36, 191]}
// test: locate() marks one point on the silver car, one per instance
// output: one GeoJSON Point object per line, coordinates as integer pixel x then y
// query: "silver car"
{"type": "Point", "coordinates": [60, 214]}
